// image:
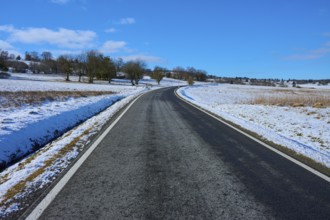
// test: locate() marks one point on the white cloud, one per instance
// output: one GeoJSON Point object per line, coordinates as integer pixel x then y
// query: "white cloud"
{"type": "Point", "coordinates": [62, 37]}
{"type": "Point", "coordinates": [326, 34]}
{"type": "Point", "coordinates": [9, 48]}
{"type": "Point", "coordinates": [7, 28]}
{"type": "Point", "coordinates": [110, 30]}
{"type": "Point", "coordinates": [310, 55]}
{"type": "Point", "coordinates": [127, 21]}
{"type": "Point", "coordinates": [112, 46]}
{"type": "Point", "coordinates": [61, 2]}
{"type": "Point", "coordinates": [145, 58]}
{"type": "Point", "coordinates": [5, 45]}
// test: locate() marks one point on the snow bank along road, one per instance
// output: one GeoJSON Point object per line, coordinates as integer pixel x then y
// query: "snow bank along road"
{"type": "Point", "coordinates": [168, 160]}
{"type": "Point", "coordinates": [270, 113]}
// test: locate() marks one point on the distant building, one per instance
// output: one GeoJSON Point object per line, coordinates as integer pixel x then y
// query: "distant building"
{"type": "Point", "coordinates": [120, 75]}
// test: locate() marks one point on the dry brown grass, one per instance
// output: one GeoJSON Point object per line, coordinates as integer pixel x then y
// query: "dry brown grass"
{"type": "Point", "coordinates": [20, 98]}
{"type": "Point", "coordinates": [4, 178]}
{"type": "Point", "coordinates": [293, 98]}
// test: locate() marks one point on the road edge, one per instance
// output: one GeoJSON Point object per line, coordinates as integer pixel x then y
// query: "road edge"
{"type": "Point", "coordinates": [288, 157]}
{"type": "Point", "coordinates": [51, 195]}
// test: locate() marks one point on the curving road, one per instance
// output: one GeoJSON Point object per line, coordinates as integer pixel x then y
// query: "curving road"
{"type": "Point", "coordinates": [167, 160]}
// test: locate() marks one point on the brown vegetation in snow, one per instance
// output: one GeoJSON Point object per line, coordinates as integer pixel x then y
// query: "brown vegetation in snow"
{"type": "Point", "coordinates": [301, 98]}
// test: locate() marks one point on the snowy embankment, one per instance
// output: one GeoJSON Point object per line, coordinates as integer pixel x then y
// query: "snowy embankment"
{"type": "Point", "coordinates": [304, 129]}
{"type": "Point", "coordinates": [27, 128]}
{"type": "Point", "coordinates": [41, 168]}
{"type": "Point", "coordinates": [23, 126]}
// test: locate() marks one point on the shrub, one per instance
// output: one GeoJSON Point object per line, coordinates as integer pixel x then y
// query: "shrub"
{"type": "Point", "coordinates": [190, 81]}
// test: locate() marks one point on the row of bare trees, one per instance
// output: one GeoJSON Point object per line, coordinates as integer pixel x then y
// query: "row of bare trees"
{"type": "Point", "coordinates": [188, 73]}
{"type": "Point", "coordinates": [91, 63]}
{"type": "Point", "coordinates": [94, 65]}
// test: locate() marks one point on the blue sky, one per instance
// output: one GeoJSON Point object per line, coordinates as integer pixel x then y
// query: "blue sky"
{"type": "Point", "coordinates": [253, 38]}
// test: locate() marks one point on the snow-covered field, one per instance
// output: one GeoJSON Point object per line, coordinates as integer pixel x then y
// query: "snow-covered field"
{"type": "Point", "coordinates": [304, 129]}
{"type": "Point", "coordinates": [73, 121]}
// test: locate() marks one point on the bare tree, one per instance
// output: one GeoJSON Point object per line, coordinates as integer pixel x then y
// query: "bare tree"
{"type": "Point", "coordinates": [81, 64]}
{"type": "Point", "coordinates": [47, 60]}
{"type": "Point", "coordinates": [46, 56]}
{"type": "Point", "coordinates": [4, 55]}
{"type": "Point", "coordinates": [158, 74]}
{"type": "Point", "coordinates": [180, 73]}
{"type": "Point", "coordinates": [3, 58]}
{"type": "Point", "coordinates": [201, 75]}
{"type": "Point", "coordinates": [91, 64]}
{"type": "Point", "coordinates": [119, 63]}
{"type": "Point", "coordinates": [65, 65]}
{"type": "Point", "coordinates": [34, 56]}
{"type": "Point", "coordinates": [28, 56]}
{"type": "Point", "coordinates": [134, 70]}
{"type": "Point", "coordinates": [108, 69]}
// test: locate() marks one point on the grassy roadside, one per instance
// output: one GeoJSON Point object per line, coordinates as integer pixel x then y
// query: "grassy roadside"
{"type": "Point", "coordinates": [301, 158]}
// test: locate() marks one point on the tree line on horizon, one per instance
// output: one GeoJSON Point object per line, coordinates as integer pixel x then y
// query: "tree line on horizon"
{"type": "Point", "coordinates": [94, 65]}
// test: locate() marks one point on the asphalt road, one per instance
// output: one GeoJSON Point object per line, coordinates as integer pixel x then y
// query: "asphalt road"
{"type": "Point", "coordinates": [167, 160]}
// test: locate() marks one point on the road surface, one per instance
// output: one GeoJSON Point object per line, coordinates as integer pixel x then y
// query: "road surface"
{"type": "Point", "coordinates": [167, 160]}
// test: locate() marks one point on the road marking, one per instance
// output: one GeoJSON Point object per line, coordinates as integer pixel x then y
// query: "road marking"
{"type": "Point", "coordinates": [310, 169]}
{"type": "Point", "coordinates": [37, 212]}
